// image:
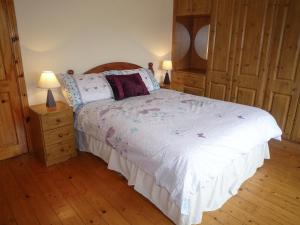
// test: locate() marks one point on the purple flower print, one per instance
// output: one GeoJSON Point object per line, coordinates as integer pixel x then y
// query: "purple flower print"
{"type": "Point", "coordinates": [153, 99]}
{"type": "Point", "coordinates": [219, 115]}
{"type": "Point", "coordinates": [189, 100]}
{"type": "Point", "coordinates": [146, 111]}
{"type": "Point", "coordinates": [111, 131]}
{"type": "Point", "coordinates": [201, 135]}
{"type": "Point", "coordinates": [117, 107]}
{"type": "Point", "coordinates": [103, 112]}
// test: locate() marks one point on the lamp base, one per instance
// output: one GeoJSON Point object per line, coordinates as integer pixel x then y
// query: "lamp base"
{"type": "Point", "coordinates": [50, 100]}
{"type": "Point", "coordinates": [167, 78]}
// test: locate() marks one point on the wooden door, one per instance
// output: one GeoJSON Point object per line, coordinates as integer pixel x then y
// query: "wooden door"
{"type": "Point", "coordinates": [12, 132]}
{"type": "Point", "coordinates": [183, 7]}
{"type": "Point", "coordinates": [283, 89]}
{"type": "Point", "coordinates": [252, 51]}
{"type": "Point", "coordinates": [220, 56]}
{"type": "Point", "coordinates": [200, 7]}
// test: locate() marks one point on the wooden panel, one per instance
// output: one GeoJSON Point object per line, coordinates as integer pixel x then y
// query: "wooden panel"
{"type": "Point", "coordinates": [284, 71]}
{"type": "Point", "coordinates": [296, 126]}
{"type": "Point", "coordinates": [221, 35]}
{"type": "Point", "coordinates": [218, 91]}
{"type": "Point", "coordinates": [2, 69]}
{"type": "Point", "coordinates": [290, 40]}
{"type": "Point", "coordinates": [251, 40]}
{"type": "Point", "coordinates": [8, 134]}
{"type": "Point", "coordinates": [183, 7]}
{"type": "Point", "coordinates": [280, 107]}
{"type": "Point", "coordinates": [220, 53]}
{"type": "Point", "coordinates": [245, 96]}
{"type": "Point", "coordinates": [201, 7]}
{"type": "Point", "coordinates": [252, 51]}
{"type": "Point", "coordinates": [57, 135]}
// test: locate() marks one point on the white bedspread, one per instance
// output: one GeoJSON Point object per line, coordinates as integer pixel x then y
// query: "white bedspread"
{"type": "Point", "coordinates": [183, 141]}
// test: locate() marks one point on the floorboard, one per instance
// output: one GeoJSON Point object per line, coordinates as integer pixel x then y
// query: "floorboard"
{"type": "Point", "coordinates": [83, 191]}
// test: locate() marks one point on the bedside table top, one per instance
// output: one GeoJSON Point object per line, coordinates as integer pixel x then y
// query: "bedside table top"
{"type": "Point", "coordinates": [42, 109]}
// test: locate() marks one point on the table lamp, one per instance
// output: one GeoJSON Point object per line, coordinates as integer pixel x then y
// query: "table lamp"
{"type": "Point", "coordinates": [49, 81]}
{"type": "Point", "coordinates": [167, 65]}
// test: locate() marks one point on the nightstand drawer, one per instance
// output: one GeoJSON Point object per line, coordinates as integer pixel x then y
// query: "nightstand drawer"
{"type": "Point", "coordinates": [194, 80]}
{"type": "Point", "coordinates": [193, 91]}
{"type": "Point", "coordinates": [55, 120]}
{"type": "Point", "coordinates": [60, 149]}
{"type": "Point", "coordinates": [57, 135]}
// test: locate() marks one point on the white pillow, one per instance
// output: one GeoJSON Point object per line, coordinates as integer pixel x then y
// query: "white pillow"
{"type": "Point", "coordinates": [81, 89]}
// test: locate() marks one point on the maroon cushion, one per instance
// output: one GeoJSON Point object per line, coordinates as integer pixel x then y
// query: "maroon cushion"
{"type": "Point", "coordinates": [125, 86]}
{"type": "Point", "coordinates": [116, 86]}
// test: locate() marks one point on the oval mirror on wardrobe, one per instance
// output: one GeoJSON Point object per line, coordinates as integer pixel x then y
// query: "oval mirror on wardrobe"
{"type": "Point", "coordinates": [201, 42]}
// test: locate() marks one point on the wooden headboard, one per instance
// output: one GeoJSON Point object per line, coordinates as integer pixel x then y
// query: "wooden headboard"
{"type": "Point", "coordinates": [114, 66]}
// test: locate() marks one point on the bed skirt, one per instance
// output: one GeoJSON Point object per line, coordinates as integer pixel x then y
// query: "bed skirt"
{"type": "Point", "coordinates": [209, 198]}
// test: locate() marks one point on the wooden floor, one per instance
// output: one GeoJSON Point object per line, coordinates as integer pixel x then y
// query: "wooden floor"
{"type": "Point", "coordinates": [83, 191]}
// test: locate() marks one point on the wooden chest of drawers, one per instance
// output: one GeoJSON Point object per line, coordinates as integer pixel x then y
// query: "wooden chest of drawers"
{"type": "Point", "coordinates": [52, 133]}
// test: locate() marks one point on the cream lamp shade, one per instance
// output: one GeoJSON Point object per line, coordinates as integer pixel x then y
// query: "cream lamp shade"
{"type": "Point", "coordinates": [48, 80]}
{"type": "Point", "coordinates": [167, 65]}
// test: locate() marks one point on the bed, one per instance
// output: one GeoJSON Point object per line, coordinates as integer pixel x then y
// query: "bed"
{"type": "Point", "coordinates": [186, 154]}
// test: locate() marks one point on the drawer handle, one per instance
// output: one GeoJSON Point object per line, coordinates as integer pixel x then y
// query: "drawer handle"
{"type": "Point", "coordinates": [58, 120]}
{"type": "Point", "coordinates": [60, 135]}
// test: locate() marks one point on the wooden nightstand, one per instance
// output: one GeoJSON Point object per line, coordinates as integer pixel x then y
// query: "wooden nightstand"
{"type": "Point", "coordinates": [165, 86]}
{"type": "Point", "coordinates": [52, 133]}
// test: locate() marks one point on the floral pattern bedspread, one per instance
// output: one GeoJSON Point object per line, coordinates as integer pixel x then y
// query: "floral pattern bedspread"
{"type": "Point", "coordinates": [182, 140]}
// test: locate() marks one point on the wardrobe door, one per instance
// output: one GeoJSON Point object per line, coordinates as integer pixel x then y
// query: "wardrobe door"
{"type": "Point", "coordinates": [282, 93]}
{"type": "Point", "coordinates": [12, 133]}
{"type": "Point", "coordinates": [220, 49]}
{"type": "Point", "coordinates": [183, 7]}
{"type": "Point", "coordinates": [200, 7]}
{"type": "Point", "coordinates": [252, 51]}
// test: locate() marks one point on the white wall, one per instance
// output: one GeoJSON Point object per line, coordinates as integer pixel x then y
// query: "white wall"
{"type": "Point", "coordinates": [62, 34]}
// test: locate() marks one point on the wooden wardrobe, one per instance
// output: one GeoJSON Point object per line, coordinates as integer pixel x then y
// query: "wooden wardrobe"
{"type": "Point", "coordinates": [13, 97]}
{"type": "Point", "coordinates": [253, 56]}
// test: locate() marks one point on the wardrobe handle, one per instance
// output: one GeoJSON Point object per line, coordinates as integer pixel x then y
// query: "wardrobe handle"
{"type": "Point", "coordinates": [14, 39]}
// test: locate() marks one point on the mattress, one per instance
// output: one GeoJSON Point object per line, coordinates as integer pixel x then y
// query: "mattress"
{"type": "Point", "coordinates": [184, 142]}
